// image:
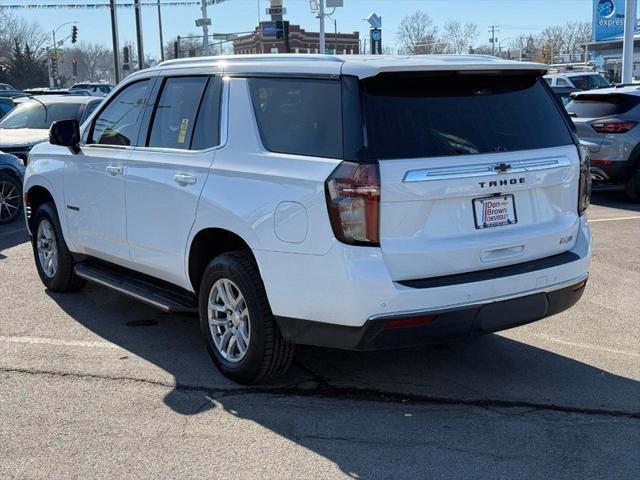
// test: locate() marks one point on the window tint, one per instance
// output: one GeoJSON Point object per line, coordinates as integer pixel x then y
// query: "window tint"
{"type": "Point", "coordinates": [596, 105]}
{"type": "Point", "coordinates": [119, 122]}
{"type": "Point", "coordinates": [176, 111]}
{"type": "Point", "coordinates": [207, 130]}
{"type": "Point", "coordinates": [561, 82]}
{"type": "Point", "coordinates": [410, 116]}
{"type": "Point", "coordinates": [298, 116]}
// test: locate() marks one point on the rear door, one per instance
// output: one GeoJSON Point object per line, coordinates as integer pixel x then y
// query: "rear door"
{"type": "Point", "coordinates": [477, 172]}
{"type": "Point", "coordinates": [166, 174]}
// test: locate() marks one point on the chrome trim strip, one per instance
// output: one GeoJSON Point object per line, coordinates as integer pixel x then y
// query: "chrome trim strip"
{"type": "Point", "coordinates": [146, 300]}
{"type": "Point", "coordinates": [456, 306]}
{"type": "Point", "coordinates": [483, 169]}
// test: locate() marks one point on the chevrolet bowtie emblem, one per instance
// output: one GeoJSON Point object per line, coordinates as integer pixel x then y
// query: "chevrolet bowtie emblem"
{"type": "Point", "coordinates": [502, 167]}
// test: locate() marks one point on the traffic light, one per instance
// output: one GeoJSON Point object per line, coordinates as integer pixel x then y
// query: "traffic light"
{"type": "Point", "coordinates": [125, 54]}
{"type": "Point", "coordinates": [74, 34]}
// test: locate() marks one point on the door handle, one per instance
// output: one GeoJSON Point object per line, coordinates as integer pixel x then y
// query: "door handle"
{"type": "Point", "coordinates": [114, 169]}
{"type": "Point", "coordinates": [184, 179]}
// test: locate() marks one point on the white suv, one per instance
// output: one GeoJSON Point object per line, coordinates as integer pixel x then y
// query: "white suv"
{"type": "Point", "coordinates": [348, 202]}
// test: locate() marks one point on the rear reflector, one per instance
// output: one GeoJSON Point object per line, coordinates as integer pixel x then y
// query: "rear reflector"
{"type": "Point", "coordinates": [601, 162]}
{"type": "Point", "coordinates": [410, 322]}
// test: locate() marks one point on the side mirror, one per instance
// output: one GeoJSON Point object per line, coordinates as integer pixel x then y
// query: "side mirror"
{"type": "Point", "coordinates": [66, 133]}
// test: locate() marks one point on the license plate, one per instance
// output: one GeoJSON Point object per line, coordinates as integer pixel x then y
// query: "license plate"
{"type": "Point", "coordinates": [494, 211]}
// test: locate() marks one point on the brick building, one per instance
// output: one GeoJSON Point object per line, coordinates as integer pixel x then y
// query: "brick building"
{"type": "Point", "coordinates": [263, 40]}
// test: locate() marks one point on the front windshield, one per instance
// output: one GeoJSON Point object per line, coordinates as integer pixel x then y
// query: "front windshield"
{"type": "Point", "coordinates": [589, 82]}
{"type": "Point", "coordinates": [32, 114]}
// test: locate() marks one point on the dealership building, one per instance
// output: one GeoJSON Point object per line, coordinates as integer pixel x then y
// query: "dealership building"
{"type": "Point", "coordinates": [606, 46]}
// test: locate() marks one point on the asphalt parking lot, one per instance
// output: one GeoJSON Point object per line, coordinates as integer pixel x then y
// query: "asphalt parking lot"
{"type": "Point", "coordinates": [94, 385]}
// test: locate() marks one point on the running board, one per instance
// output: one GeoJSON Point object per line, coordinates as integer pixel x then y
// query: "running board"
{"type": "Point", "coordinates": [140, 287]}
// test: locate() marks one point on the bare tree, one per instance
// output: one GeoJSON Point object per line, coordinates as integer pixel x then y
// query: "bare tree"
{"type": "Point", "coordinates": [459, 36]}
{"type": "Point", "coordinates": [575, 35]}
{"type": "Point", "coordinates": [553, 42]}
{"type": "Point", "coordinates": [418, 35]}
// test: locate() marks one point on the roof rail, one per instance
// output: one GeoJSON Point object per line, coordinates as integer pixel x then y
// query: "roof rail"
{"type": "Point", "coordinates": [280, 57]}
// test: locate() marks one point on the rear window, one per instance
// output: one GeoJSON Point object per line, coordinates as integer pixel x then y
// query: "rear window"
{"type": "Point", "coordinates": [594, 105]}
{"type": "Point", "coordinates": [588, 82]}
{"type": "Point", "coordinates": [34, 114]}
{"type": "Point", "coordinates": [410, 116]}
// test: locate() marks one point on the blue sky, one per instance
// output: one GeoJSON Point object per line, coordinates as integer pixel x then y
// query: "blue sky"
{"type": "Point", "coordinates": [515, 17]}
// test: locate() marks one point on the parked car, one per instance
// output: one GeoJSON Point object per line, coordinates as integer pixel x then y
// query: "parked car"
{"type": "Point", "coordinates": [579, 80]}
{"type": "Point", "coordinates": [6, 105]}
{"type": "Point", "coordinates": [332, 201]}
{"type": "Point", "coordinates": [46, 91]}
{"type": "Point", "coordinates": [11, 177]}
{"type": "Point", "coordinates": [607, 122]}
{"type": "Point", "coordinates": [5, 87]}
{"type": "Point", "coordinates": [564, 94]}
{"type": "Point", "coordinates": [94, 89]}
{"type": "Point", "coordinates": [28, 123]}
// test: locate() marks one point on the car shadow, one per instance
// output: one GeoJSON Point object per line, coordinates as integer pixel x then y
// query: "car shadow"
{"type": "Point", "coordinates": [614, 199]}
{"type": "Point", "coordinates": [487, 371]}
{"type": "Point", "coordinates": [11, 235]}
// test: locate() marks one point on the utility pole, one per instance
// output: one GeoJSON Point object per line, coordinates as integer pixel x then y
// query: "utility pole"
{"type": "Point", "coordinates": [160, 31]}
{"type": "Point", "coordinates": [630, 14]}
{"type": "Point", "coordinates": [138, 9]}
{"type": "Point", "coordinates": [55, 52]}
{"type": "Point", "coordinates": [321, 14]}
{"type": "Point", "coordinates": [114, 40]}
{"type": "Point", "coordinates": [493, 29]}
{"type": "Point", "coordinates": [205, 29]}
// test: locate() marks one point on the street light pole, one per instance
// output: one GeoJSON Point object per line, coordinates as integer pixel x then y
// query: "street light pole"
{"type": "Point", "coordinates": [322, 42]}
{"type": "Point", "coordinates": [56, 78]}
{"type": "Point", "coordinates": [205, 30]}
{"type": "Point", "coordinates": [160, 31]}
{"type": "Point", "coordinates": [114, 41]}
{"type": "Point", "coordinates": [138, 9]}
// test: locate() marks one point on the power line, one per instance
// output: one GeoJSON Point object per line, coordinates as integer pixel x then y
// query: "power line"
{"type": "Point", "coordinates": [99, 5]}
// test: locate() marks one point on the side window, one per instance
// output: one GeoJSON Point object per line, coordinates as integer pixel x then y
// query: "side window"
{"type": "Point", "coordinates": [299, 116]}
{"type": "Point", "coordinates": [119, 122]}
{"type": "Point", "coordinates": [548, 80]}
{"type": "Point", "coordinates": [562, 82]}
{"type": "Point", "coordinates": [207, 130]}
{"type": "Point", "coordinates": [176, 111]}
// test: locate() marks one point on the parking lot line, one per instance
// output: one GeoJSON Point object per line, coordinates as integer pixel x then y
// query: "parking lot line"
{"type": "Point", "coordinates": [587, 346]}
{"type": "Point", "coordinates": [633, 217]}
{"type": "Point", "coordinates": [58, 342]}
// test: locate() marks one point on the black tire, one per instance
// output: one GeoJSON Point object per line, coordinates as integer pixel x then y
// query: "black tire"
{"type": "Point", "coordinates": [63, 279]}
{"type": "Point", "coordinates": [268, 353]}
{"type": "Point", "coordinates": [10, 199]}
{"type": "Point", "coordinates": [632, 188]}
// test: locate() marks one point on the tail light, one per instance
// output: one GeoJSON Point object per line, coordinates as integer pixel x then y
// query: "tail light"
{"type": "Point", "coordinates": [613, 126]}
{"type": "Point", "coordinates": [353, 200]}
{"type": "Point", "coordinates": [584, 190]}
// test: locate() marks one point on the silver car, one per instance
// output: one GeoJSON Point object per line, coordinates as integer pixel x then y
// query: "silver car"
{"type": "Point", "coordinates": [607, 121]}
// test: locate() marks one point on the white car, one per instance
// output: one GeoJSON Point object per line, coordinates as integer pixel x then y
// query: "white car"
{"type": "Point", "coordinates": [348, 202]}
{"type": "Point", "coordinates": [579, 80]}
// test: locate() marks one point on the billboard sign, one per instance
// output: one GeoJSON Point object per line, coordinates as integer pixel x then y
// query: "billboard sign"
{"type": "Point", "coordinates": [608, 19]}
{"type": "Point", "coordinates": [269, 29]}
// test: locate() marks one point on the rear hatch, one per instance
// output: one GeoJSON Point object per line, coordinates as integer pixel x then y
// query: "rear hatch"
{"type": "Point", "coordinates": [586, 108]}
{"type": "Point", "coordinates": [477, 171]}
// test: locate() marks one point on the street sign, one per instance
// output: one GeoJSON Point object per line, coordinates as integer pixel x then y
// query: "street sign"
{"type": "Point", "coordinates": [374, 20]}
{"type": "Point", "coordinates": [269, 29]}
{"type": "Point", "coordinates": [276, 11]}
{"type": "Point", "coordinates": [203, 21]}
{"type": "Point", "coordinates": [376, 41]}
{"type": "Point", "coordinates": [335, 3]}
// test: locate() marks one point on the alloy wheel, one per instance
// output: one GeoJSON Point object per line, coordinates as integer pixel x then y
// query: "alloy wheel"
{"type": "Point", "coordinates": [228, 316]}
{"type": "Point", "coordinates": [47, 248]}
{"type": "Point", "coordinates": [9, 200]}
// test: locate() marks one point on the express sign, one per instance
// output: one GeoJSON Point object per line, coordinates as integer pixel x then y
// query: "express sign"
{"type": "Point", "coordinates": [608, 19]}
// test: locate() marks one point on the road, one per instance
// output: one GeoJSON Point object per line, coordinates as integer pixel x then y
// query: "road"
{"type": "Point", "coordinates": [94, 385]}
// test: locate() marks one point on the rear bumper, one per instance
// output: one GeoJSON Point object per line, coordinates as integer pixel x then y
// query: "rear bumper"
{"type": "Point", "coordinates": [446, 325]}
